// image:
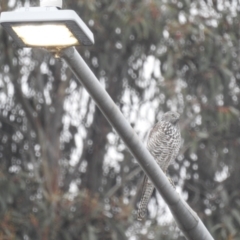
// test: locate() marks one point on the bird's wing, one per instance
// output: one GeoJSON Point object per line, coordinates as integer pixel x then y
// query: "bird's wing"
{"type": "Point", "coordinates": [160, 146]}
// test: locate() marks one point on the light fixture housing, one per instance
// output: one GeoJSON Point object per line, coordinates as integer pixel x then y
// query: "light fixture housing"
{"type": "Point", "coordinates": [46, 27]}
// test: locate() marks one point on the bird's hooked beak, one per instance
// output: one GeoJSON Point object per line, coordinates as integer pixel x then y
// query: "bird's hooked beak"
{"type": "Point", "coordinates": [177, 118]}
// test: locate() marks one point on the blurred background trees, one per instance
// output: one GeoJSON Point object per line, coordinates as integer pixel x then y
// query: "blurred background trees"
{"type": "Point", "coordinates": [65, 174]}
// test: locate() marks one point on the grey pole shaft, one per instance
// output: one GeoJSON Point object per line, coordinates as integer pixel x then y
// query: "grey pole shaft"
{"type": "Point", "coordinates": [187, 220]}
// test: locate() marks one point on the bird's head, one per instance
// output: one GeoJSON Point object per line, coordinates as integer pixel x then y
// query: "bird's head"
{"type": "Point", "coordinates": [171, 117]}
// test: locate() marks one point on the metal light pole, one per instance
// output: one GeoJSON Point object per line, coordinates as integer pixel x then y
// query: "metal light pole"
{"type": "Point", "coordinates": [186, 218]}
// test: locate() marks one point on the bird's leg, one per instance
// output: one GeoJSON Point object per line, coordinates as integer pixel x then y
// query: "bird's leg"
{"type": "Point", "coordinates": [170, 180]}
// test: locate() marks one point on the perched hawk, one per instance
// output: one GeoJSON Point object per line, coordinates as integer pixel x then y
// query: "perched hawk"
{"type": "Point", "coordinates": [163, 143]}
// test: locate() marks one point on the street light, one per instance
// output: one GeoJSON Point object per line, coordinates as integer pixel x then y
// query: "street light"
{"type": "Point", "coordinates": [46, 27]}
{"type": "Point", "coordinates": [50, 21]}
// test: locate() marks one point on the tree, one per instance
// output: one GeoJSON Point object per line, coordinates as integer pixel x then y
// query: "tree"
{"type": "Point", "coordinates": [64, 172]}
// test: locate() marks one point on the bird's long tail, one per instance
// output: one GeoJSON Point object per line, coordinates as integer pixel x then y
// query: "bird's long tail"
{"type": "Point", "coordinates": [148, 188]}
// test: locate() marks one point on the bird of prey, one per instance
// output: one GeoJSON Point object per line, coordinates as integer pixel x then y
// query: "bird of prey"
{"type": "Point", "coordinates": [163, 143]}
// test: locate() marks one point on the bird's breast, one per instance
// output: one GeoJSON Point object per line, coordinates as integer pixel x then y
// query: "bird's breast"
{"type": "Point", "coordinates": [172, 131]}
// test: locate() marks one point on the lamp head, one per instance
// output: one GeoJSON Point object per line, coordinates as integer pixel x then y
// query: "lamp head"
{"type": "Point", "coordinates": [46, 27]}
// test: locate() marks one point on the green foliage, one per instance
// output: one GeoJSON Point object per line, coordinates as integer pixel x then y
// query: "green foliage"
{"type": "Point", "coordinates": [65, 174]}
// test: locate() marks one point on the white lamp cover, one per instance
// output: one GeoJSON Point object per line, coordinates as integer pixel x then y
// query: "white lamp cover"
{"type": "Point", "coordinates": [51, 3]}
